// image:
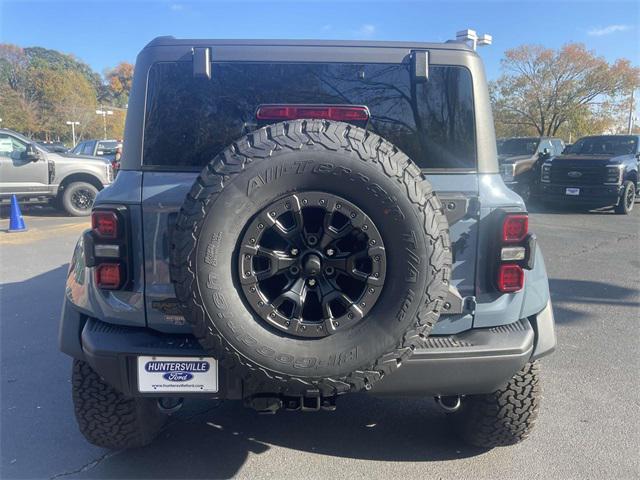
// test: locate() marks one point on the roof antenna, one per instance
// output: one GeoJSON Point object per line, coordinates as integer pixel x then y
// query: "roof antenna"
{"type": "Point", "coordinates": [471, 38]}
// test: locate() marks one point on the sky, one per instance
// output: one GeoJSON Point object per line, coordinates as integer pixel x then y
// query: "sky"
{"type": "Point", "coordinates": [103, 33]}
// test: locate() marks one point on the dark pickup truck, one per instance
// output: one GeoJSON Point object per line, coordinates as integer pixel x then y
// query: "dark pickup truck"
{"type": "Point", "coordinates": [597, 171]}
{"type": "Point", "coordinates": [520, 159]}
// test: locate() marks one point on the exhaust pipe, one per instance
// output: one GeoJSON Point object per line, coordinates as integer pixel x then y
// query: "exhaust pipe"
{"type": "Point", "coordinates": [170, 405]}
{"type": "Point", "coordinates": [450, 403]}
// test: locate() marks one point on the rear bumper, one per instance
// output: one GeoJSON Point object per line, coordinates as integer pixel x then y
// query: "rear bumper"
{"type": "Point", "coordinates": [472, 362]}
{"type": "Point", "coordinates": [596, 195]}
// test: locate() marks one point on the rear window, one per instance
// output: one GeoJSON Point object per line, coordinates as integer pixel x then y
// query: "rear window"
{"type": "Point", "coordinates": [189, 120]}
{"type": "Point", "coordinates": [518, 146]}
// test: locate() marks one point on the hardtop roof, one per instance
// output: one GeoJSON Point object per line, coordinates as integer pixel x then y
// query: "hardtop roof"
{"type": "Point", "coordinates": [172, 41]}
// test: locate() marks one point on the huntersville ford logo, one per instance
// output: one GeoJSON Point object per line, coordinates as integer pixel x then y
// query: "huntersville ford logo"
{"type": "Point", "coordinates": [177, 371]}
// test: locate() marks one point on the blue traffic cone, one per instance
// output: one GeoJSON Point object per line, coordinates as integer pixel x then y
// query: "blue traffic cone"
{"type": "Point", "coordinates": [16, 222]}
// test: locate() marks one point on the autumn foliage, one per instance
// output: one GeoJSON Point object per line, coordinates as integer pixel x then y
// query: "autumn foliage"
{"type": "Point", "coordinates": [550, 92]}
{"type": "Point", "coordinates": [40, 90]}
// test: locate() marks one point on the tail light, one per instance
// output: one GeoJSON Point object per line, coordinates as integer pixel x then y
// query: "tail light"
{"type": "Point", "coordinates": [107, 247]}
{"type": "Point", "coordinates": [516, 252]}
{"type": "Point", "coordinates": [341, 113]}
{"type": "Point", "coordinates": [510, 277]}
{"type": "Point", "coordinates": [104, 224]}
{"type": "Point", "coordinates": [109, 275]}
{"type": "Point", "coordinates": [515, 228]}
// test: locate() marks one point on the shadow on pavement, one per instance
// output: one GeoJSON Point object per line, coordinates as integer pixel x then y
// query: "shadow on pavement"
{"type": "Point", "coordinates": [205, 439]}
{"type": "Point", "coordinates": [565, 293]}
{"type": "Point", "coordinates": [34, 211]}
{"type": "Point", "coordinates": [216, 444]}
{"type": "Point", "coordinates": [560, 209]}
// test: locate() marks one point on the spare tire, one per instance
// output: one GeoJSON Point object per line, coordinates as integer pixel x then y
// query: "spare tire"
{"type": "Point", "coordinates": [311, 256]}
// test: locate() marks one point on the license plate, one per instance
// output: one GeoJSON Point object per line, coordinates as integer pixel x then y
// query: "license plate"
{"type": "Point", "coordinates": [177, 374]}
{"type": "Point", "coordinates": [572, 191]}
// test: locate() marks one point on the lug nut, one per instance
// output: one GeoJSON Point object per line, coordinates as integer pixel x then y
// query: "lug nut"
{"type": "Point", "coordinates": [311, 282]}
{"type": "Point", "coordinates": [365, 227]}
{"type": "Point", "coordinates": [294, 252]}
{"type": "Point", "coordinates": [260, 226]}
{"type": "Point", "coordinates": [353, 215]}
{"type": "Point", "coordinates": [330, 252]}
{"type": "Point", "coordinates": [273, 214]}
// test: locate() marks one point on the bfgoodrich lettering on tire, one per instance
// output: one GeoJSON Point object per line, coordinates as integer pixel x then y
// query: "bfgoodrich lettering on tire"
{"type": "Point", "coordinates": [311, 255]}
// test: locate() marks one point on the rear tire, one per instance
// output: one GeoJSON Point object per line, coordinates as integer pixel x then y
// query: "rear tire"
{"type": "Point", "coordinates": [109, 419]}
{"type": "Point", "coordinates": [78, 198]}
{"type": "Point", "coordinates": [504, 417]}
{"type": "Point", "coordinates": [627, 198]}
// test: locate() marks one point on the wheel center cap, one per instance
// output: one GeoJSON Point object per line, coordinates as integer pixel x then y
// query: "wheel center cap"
{"type": "Point", "coordinates": [312, 264]}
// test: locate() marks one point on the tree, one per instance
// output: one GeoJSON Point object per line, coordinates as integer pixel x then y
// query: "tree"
{"type": "Point", "coordinates": [63, 96]}
{"type": "Point", "coordinates": [41, 89]}
{"type": "Point", "coordinates": [119, 80]}
{"type": "Point", "coordinates": [543, 90]}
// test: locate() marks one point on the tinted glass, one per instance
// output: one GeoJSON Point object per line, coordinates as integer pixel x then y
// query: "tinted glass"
{"type": "Point", "coordinates": [88, 148]}
{"type": "Point", "coordinates": [189, 120]}
{"type": "Point", "coordinates": [518, 146]}
{"type": "Point", "coordinates": [605, 145]}
{"type": "Point", "coordinates": [108, 147]}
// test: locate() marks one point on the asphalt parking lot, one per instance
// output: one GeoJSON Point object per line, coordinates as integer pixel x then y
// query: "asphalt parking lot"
{"type": "Point", "coordinates": [589, 426]}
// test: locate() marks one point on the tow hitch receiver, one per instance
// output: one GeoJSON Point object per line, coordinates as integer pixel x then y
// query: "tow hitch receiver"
{"type": "Point", "coordinates": [270, 404]}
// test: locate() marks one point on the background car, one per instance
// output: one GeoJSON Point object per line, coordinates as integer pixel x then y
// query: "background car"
{"type": "Point", "coordinates": [109, 149]}
{"type": "Point", "coordinates": [37, 175]}
{"type": "Point", "coordinates": [57, 147]}
{"type": "Point", "coordinates": [520, 158]}
{"type": "Point", "coordinates": [596, 171]}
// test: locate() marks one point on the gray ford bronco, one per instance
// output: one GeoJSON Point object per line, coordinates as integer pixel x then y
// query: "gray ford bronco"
{"type": "Point", "coordinates": [298, 220]}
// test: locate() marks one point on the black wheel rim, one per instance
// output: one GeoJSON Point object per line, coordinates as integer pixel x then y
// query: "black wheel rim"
{"type": "Point", "coordinates": [312, 264]}
{"type": "Point", "coordinates": [630, 197]}
{"type": "Point", "coordinates": [82, 199]}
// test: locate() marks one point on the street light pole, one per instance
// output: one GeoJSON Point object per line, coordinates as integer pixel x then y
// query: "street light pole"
{"type": "Point", "coordinates": [104, 114]}
{"type": "Point", "coordinates": [630, 121]}
{"type": "Point", "coordinates": [73, 131]}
